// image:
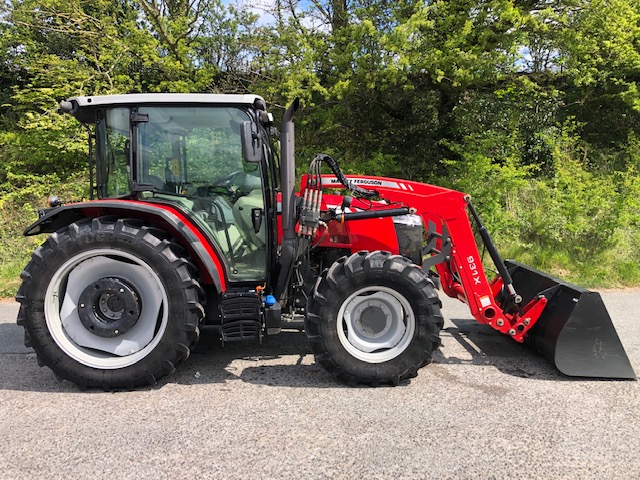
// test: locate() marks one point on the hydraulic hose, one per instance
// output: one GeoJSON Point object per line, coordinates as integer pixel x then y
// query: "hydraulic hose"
{"type": "Point", "coordinates": [335, 168]}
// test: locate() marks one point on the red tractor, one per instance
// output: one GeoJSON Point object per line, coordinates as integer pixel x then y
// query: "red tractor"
{"type": "Point", "coordinates": [197, 221]}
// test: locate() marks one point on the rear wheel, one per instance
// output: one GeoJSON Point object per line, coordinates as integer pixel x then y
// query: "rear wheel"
{"type": "Point", "coordinates": [110, 303]}
{"type": "Point", "coordinates": [374, 318]}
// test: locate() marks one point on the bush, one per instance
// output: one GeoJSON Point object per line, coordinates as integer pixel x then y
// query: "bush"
{"type": "Point", "coordinates": [571, 220]}
{"type": "Point", "coordinates": [577, 223]}
{"type": "Point", "coordinates": [18, 209]}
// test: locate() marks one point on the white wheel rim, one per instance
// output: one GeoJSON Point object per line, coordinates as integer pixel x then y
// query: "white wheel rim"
{"type": "Point", "coordinates": [62, 303]}
{"type": "Point", "coordinates": [375, 324]}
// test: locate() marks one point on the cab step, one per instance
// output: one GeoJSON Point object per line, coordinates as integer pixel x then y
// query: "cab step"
{"type": "Point", "coordinates": [241, 317]}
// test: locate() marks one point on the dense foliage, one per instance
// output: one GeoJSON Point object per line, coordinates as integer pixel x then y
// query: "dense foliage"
{"type": "Point", "coordinates": [532, 106]}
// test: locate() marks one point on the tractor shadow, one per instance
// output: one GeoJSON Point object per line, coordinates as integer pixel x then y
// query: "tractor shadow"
{"type": "Point", "coordinates": [284, 360]}
{"type": "Point", "coordinates": [467, 342]}
{"type": "Point", "coordinates": [19, 368]}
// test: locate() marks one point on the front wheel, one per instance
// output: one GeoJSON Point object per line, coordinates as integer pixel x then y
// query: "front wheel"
{"type": "Point", "coordinates": [110, 303]}
{"type": "Point", "coordinates": [373, 318]}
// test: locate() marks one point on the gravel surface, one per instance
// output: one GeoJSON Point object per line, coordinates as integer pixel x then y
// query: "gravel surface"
{"type": "Point", "coordinates": [486, 408]}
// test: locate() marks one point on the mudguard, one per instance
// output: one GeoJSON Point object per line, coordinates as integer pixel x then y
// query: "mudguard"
{"type": "Point", "coordinates": [161, 214]}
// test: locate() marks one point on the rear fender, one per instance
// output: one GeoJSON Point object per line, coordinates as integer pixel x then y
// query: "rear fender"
{"type": "Point", "coordinates": [162, 216]}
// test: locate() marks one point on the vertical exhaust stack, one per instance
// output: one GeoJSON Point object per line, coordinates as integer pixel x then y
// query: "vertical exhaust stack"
{"type": "Point", "coordinates": [288, 170]}
{"type": "Point", "coordinates": [287, 186]}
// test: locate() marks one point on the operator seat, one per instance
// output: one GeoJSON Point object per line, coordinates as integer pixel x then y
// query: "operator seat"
{"type": "Point", "coordinates": [242, 212]}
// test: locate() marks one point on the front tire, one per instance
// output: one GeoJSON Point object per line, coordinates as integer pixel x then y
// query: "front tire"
{"type": "Point", "coordinates": [374, 318]}
{"type": "Point", "coordinates": [110, 303]}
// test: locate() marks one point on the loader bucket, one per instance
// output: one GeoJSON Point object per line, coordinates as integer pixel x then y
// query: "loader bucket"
{"type": "Point", "coordinates": [575, 331]}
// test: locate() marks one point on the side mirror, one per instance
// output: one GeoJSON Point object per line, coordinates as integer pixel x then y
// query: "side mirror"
{"type": "Point", "coordinates": [251, 143]}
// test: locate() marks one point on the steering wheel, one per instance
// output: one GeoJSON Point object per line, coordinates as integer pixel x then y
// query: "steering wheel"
{"type": "Point", "coordinates": [225, 185]}
{"type": "Point", "coordinates": [229, 180]}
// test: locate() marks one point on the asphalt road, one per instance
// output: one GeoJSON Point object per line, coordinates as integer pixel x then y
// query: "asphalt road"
{"type": "Point", "coordinates": [486, 408]}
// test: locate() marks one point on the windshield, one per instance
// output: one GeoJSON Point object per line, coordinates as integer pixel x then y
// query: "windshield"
{"type": "Point", "coordinates": [182, 148]}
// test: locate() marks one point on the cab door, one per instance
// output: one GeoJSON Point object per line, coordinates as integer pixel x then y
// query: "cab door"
{"type": "Point", "coordinates": [193, 158]}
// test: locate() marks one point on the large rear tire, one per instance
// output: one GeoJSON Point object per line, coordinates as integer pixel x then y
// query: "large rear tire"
{"type": "Point", "coordinates": [374, 318]}
{"type": "Point", "coordinates": [110, 303]}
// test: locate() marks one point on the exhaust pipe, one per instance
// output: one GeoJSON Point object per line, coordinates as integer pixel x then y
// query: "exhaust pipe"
{"type": "Point", "coordinates": [287, 186]}
{"type": "Point", "coordinates": [288, 170]}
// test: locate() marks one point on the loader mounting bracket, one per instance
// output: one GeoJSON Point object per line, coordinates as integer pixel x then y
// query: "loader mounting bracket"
{"type": "Point", "coordinates": [434, 254]}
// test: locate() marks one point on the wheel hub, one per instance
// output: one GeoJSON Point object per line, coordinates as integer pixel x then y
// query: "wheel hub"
{"type": "Point", "coordinates": [109, 307]}
{"type": "Point", "coordinates": [374, 321]}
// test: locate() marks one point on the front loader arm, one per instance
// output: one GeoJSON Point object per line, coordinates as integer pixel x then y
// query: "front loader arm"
{"type": "Point", "coordinates": [453, 252]}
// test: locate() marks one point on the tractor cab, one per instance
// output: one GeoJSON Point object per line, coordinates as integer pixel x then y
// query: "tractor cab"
{"type": "Point", "coordinates": [206, 155]}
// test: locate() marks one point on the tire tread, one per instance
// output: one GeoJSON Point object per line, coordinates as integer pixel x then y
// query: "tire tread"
{"type": "Point", "coordinates": [368, 268]}
{"type": "Point", "coordinates": [116, 231]}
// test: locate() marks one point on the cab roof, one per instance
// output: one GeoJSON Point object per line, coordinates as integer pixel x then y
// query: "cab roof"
{"type": "Point", "coordinates": [83, 108]}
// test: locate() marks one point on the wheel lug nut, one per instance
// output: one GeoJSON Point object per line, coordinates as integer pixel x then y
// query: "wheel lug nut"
{"type": "Point", "coordinates": [500, 322]}
{"type": "Point", "coordinates": [512, 332]}
{"type": "Point", "coordinates": [82, 305]}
